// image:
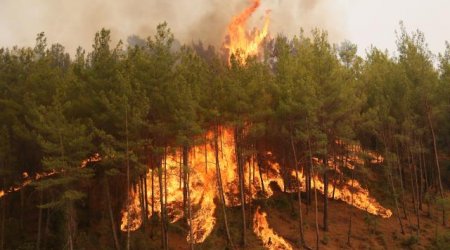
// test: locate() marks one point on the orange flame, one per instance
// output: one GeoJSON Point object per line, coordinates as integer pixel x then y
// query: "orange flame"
{"type": "Point", "coordinates": [241, 42]}
{"type": "Point", "coordinates": [203, 187]}
{"type": "Point", "coordinates": [28, 179]}
{"type": "Point", "coordinates": [270, 239]}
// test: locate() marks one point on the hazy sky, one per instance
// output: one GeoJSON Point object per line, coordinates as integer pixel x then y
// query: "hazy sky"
{"type": "Point", "coordinates": [364, 22]}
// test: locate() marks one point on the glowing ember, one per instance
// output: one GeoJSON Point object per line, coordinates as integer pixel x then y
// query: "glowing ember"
{"type": "Point", "coordinates": [241, 42]}
{"type": "Point", "coordinates": [270, 239]}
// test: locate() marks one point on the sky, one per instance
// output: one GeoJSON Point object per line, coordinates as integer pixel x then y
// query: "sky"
{"type": "Point", "coordinates": [364, 22]}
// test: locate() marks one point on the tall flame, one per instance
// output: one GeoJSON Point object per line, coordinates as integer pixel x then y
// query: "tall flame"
{"type": "Point", "coordinates": [241, 42]}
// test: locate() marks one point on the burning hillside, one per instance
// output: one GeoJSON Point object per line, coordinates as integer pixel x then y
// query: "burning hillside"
{"type": "Point", "coordinates": [204, 191]}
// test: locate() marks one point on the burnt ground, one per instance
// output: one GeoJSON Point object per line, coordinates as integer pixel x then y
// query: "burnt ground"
{"type": "Point", "coordinates": [368, 231]}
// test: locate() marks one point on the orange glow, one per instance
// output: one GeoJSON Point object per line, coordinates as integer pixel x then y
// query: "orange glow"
{"type": "Point", "coordinates": [270, 239]}
{"type": "Point", "coordinates": [203, 187]}
{"type": "Point", "coordinates": [361, 196]}
{"type": "Point", "coordinates": [28, 179]}
{"type": "Point", "coordinates": [241, 42]}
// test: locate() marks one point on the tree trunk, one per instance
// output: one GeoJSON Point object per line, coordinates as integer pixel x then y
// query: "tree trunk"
{"type": "Point", "coordinates": [260, 162]}
{"type": "Point", "coordinates": [250, 197]}
{"type": "Point", "coordinates": [2, 243]}
{"type": "Point", "coordinates": [421, 191]}
{"type": "Point", "coordinates": [146, 196]}
{"type": "Point", "coordinates": [46, 228]}
{"type": "Point", "coordinates": [416, 207]}
{"type": "Point", "coordinates": [220, 187]}
{"type": "Point", "coordinates": [391, 180]}
{"type": "Point", "coordinates": [161, 200]}
{"type": "Point", "coordinates": [401, 178]}
{"type": "Point", "coordinates": [142, 203]}
{"type": "Point", "coordinates": [70, 226]}
{"type": "Point", "coordinates": [166, 216]}
{"type": "Point", "coordinates": [111, 215]}
{"type": "Point", "coordinates": [299, 193]}
{"type": "Point", "coordinates": [153, 191]}
{"type": "Point", "coordinates": [350, 208]}
{"type": "Point", "coordinates": [325, 195]}
{"type": "Point", "coordinates": [436, 158]}
{"type": "Point", "coordinates": [188, 198]}
{"type": "Point", "coordinates": [38, 240]}
{"type": "Point", "coordinates": [239, 160]}
{"type": "Point", "coordinates": [411, 177]}
{"type": "Point", "coordinates": [316, 212]}
{"type": "Point", "coordinates": [128, 179]}
{"type": "Point", "coordinates": [206, 153]}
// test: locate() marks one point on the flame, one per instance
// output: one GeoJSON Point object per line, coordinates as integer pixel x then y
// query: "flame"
{"type": "Point", "coordinates": [270, 239]}
{"type": "Point", "coordinates": [203, 187]}
{"type": "Point", "coordinates": [361, 196]}
{"type": "Point", "coordinates": [27, 180]}
{"type": "Point", "coordinates": [241, 42]}
{"type": "Point", "coordinates": [135, 212]}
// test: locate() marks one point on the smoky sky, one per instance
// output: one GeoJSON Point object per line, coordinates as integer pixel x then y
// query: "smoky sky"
{"type": "Point", "coordinates": [74, 23]}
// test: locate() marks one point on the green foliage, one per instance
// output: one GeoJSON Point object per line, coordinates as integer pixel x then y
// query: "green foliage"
{"type": "Point", "coordinates": [128, 105]}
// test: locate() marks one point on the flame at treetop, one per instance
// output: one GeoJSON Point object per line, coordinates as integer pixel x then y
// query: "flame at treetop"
{"type": "Point", "coordinates": [241, 42]}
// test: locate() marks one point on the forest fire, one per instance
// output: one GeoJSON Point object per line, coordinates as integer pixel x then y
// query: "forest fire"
{"type": "Point", "coordinates": [241, 42]}
{"type": "Point", "coordinates": [269, 238]}
{"type": "Point", "coordinates": [27, 179]}
{"type": "Point", "coordinates": [203, 186]}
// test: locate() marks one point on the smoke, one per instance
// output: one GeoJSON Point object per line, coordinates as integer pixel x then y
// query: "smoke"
{"type": "Point", "coordinates": [74, 23]}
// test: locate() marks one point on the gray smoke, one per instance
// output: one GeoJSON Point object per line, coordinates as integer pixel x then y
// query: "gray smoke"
{"type": "Point", "coordinates": [74, 23]}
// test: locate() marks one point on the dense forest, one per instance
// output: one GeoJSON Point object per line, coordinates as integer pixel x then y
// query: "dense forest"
{"type": "Point", "coordinates": [87, 144]}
